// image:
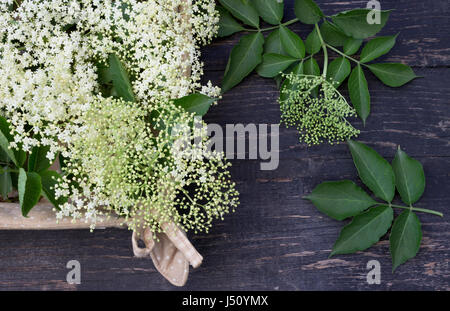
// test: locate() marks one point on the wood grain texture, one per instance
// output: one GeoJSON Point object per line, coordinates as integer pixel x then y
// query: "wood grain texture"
{"type": "Point", "coordinates": [276, 240]}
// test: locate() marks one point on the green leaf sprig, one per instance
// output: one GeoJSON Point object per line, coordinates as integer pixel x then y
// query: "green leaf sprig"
{"type": "Point", "coordinates": [371, 218]}
{"type": "Point", "coordinates": [283, 51]}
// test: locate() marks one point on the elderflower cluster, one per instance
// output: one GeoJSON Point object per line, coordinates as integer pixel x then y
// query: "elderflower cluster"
{"type": "Point", "coordinates": [49, 51]}
{"type": "Point", "coordinates": [314, 106]}
{"type": "Point", "coordinates": [119, 155]}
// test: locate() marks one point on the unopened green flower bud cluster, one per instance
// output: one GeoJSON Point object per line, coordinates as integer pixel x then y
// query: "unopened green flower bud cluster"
{"type": "Point", "coordinates": [314, 106]}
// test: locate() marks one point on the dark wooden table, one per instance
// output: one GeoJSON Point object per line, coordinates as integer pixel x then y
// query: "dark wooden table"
{"type": "Point", "coordinates": [276, 240]}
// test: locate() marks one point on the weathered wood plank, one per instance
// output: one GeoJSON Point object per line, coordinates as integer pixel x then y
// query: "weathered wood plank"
{"type": "Point", "coordinates": [276, 240]}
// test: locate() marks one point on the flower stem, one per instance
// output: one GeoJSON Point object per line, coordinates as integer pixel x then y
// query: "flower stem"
{"type": "Point", "coordinates": [325, 52]}
{"type": "Point", "coordinates": [417, 209]}
{"type": "Point", "coordinates": [292, 21]}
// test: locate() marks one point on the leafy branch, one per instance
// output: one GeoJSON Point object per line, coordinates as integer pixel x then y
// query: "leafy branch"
{"type": "Point", "coordinates": [372, 218]}
{"type": "Point", "coordinates": [282, 51]}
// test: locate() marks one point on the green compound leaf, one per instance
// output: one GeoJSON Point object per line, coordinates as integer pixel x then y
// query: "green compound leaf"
{"type": "Point", "coordinates": [359, 92]}
{"type": "Point", "coordinates": [312, 42]}
{"type": "Point", "coordinates": [376, 48]}
{"type": "Point", "coordinates": [393, 75]}
{"type": "Point", "coordinates": [273, 44]}
{"type": "Point", "coordinates": [340, 199]}
{"type": "Point", "coordinates": [332, 35]}
{"type": "Point", "coordinates": [338, 70]}
{"type": "Point", "coordinates": [351, 46]}
{"type": "Point", "coordinates": [271, 11]}
{"type": "Point", "coordinates": [29, 188]}
{"type": "Point", "coordinates": [242, 10]}
{"type": "Point", "coordinates": [406, 235]}
{"type": "Point", "coordinates": [365, 230]}
{"type": "Point", "coordinates": [354, 23]}
{"type": "Point", "coordinates": [227, 24]}
{"type": "Point", "coordinates": [273, 64]}
{"type": "Point", "coordinates": [292, 43]}
{"type": "Point", "coordinates": [49, 181]}
{"type": "Point", "coordinates": [307, 11]}
{"type": "Point", "coordinates": [409, 177]}
{"type": "Point", "coordinates": [375, 172]}
{"type": "Point", "coordinates": [245, 56]}
{"type": "Point", "coordinates": [120, 79]}
{"type": "Point", "coordinates": [38, 160]}
{"type": "Point", "coordinates": [195, 103]}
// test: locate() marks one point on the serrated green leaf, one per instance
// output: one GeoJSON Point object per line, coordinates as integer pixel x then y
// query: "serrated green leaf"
{"type": "Point", "coordinates": [376, 48]}
{"type": "Point", "coordinates": [312, 42]}
{"type": "Point", "coordinates": [340, 199]}
{"type": "Point", "coordinates": [271, 11]}
{"type": "Point", "coordinates": [338, 70]}
{"type": "Point", "coordinates": [393, 75]}
{"type": "Point", "coordinates": [227, 24]}
{"type": "Point", "coordinates": [351, 46]}
{"type": "Point", "coordinates": [409, 177]}
{"type": "Point", "coordinates": [365, 230]}
{"type": "Point", "coordinates": [242, 10]}
{"type": "Point", "coordinates": [5, 183]}
{"type": "Point", "coordinates": [38, 160]}
{"type": "Point", "coordinates": [406, 235]}
{"type": "Point", "coordinates": [195, 103]}
{"type": "Point", "coordinates": [375, 172]}
{"type": "Point", "coordinates": [307, 11]}
{"type": "Point", "coordinates": [332, 35]}
{"type": "Point", "coordinates": [29, 188]}
{"type": "Point", "coordinates": [245, 56]}
{"type": "Point", "coordinates": [359, 92]}
{"type": "Point", "coordinates": [120, 79]}
{"type": "Point", "coordinates": [49, 181]}
{"type": "Point", "coordinates": [354, 23]}
{"type": "Point", "coordinates": [292, 43]}
{"type": "Point", "coordinates": [273, 64]}
{"type": "Point", "coordinates": [273, 44]}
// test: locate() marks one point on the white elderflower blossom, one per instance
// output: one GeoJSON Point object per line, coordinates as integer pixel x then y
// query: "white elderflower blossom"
{"type": "Point", "coordinates": [119, 156]}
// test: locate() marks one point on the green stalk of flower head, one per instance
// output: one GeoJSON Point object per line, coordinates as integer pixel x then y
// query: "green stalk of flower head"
{"type": "Point", "coordinates": [318, 118]}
